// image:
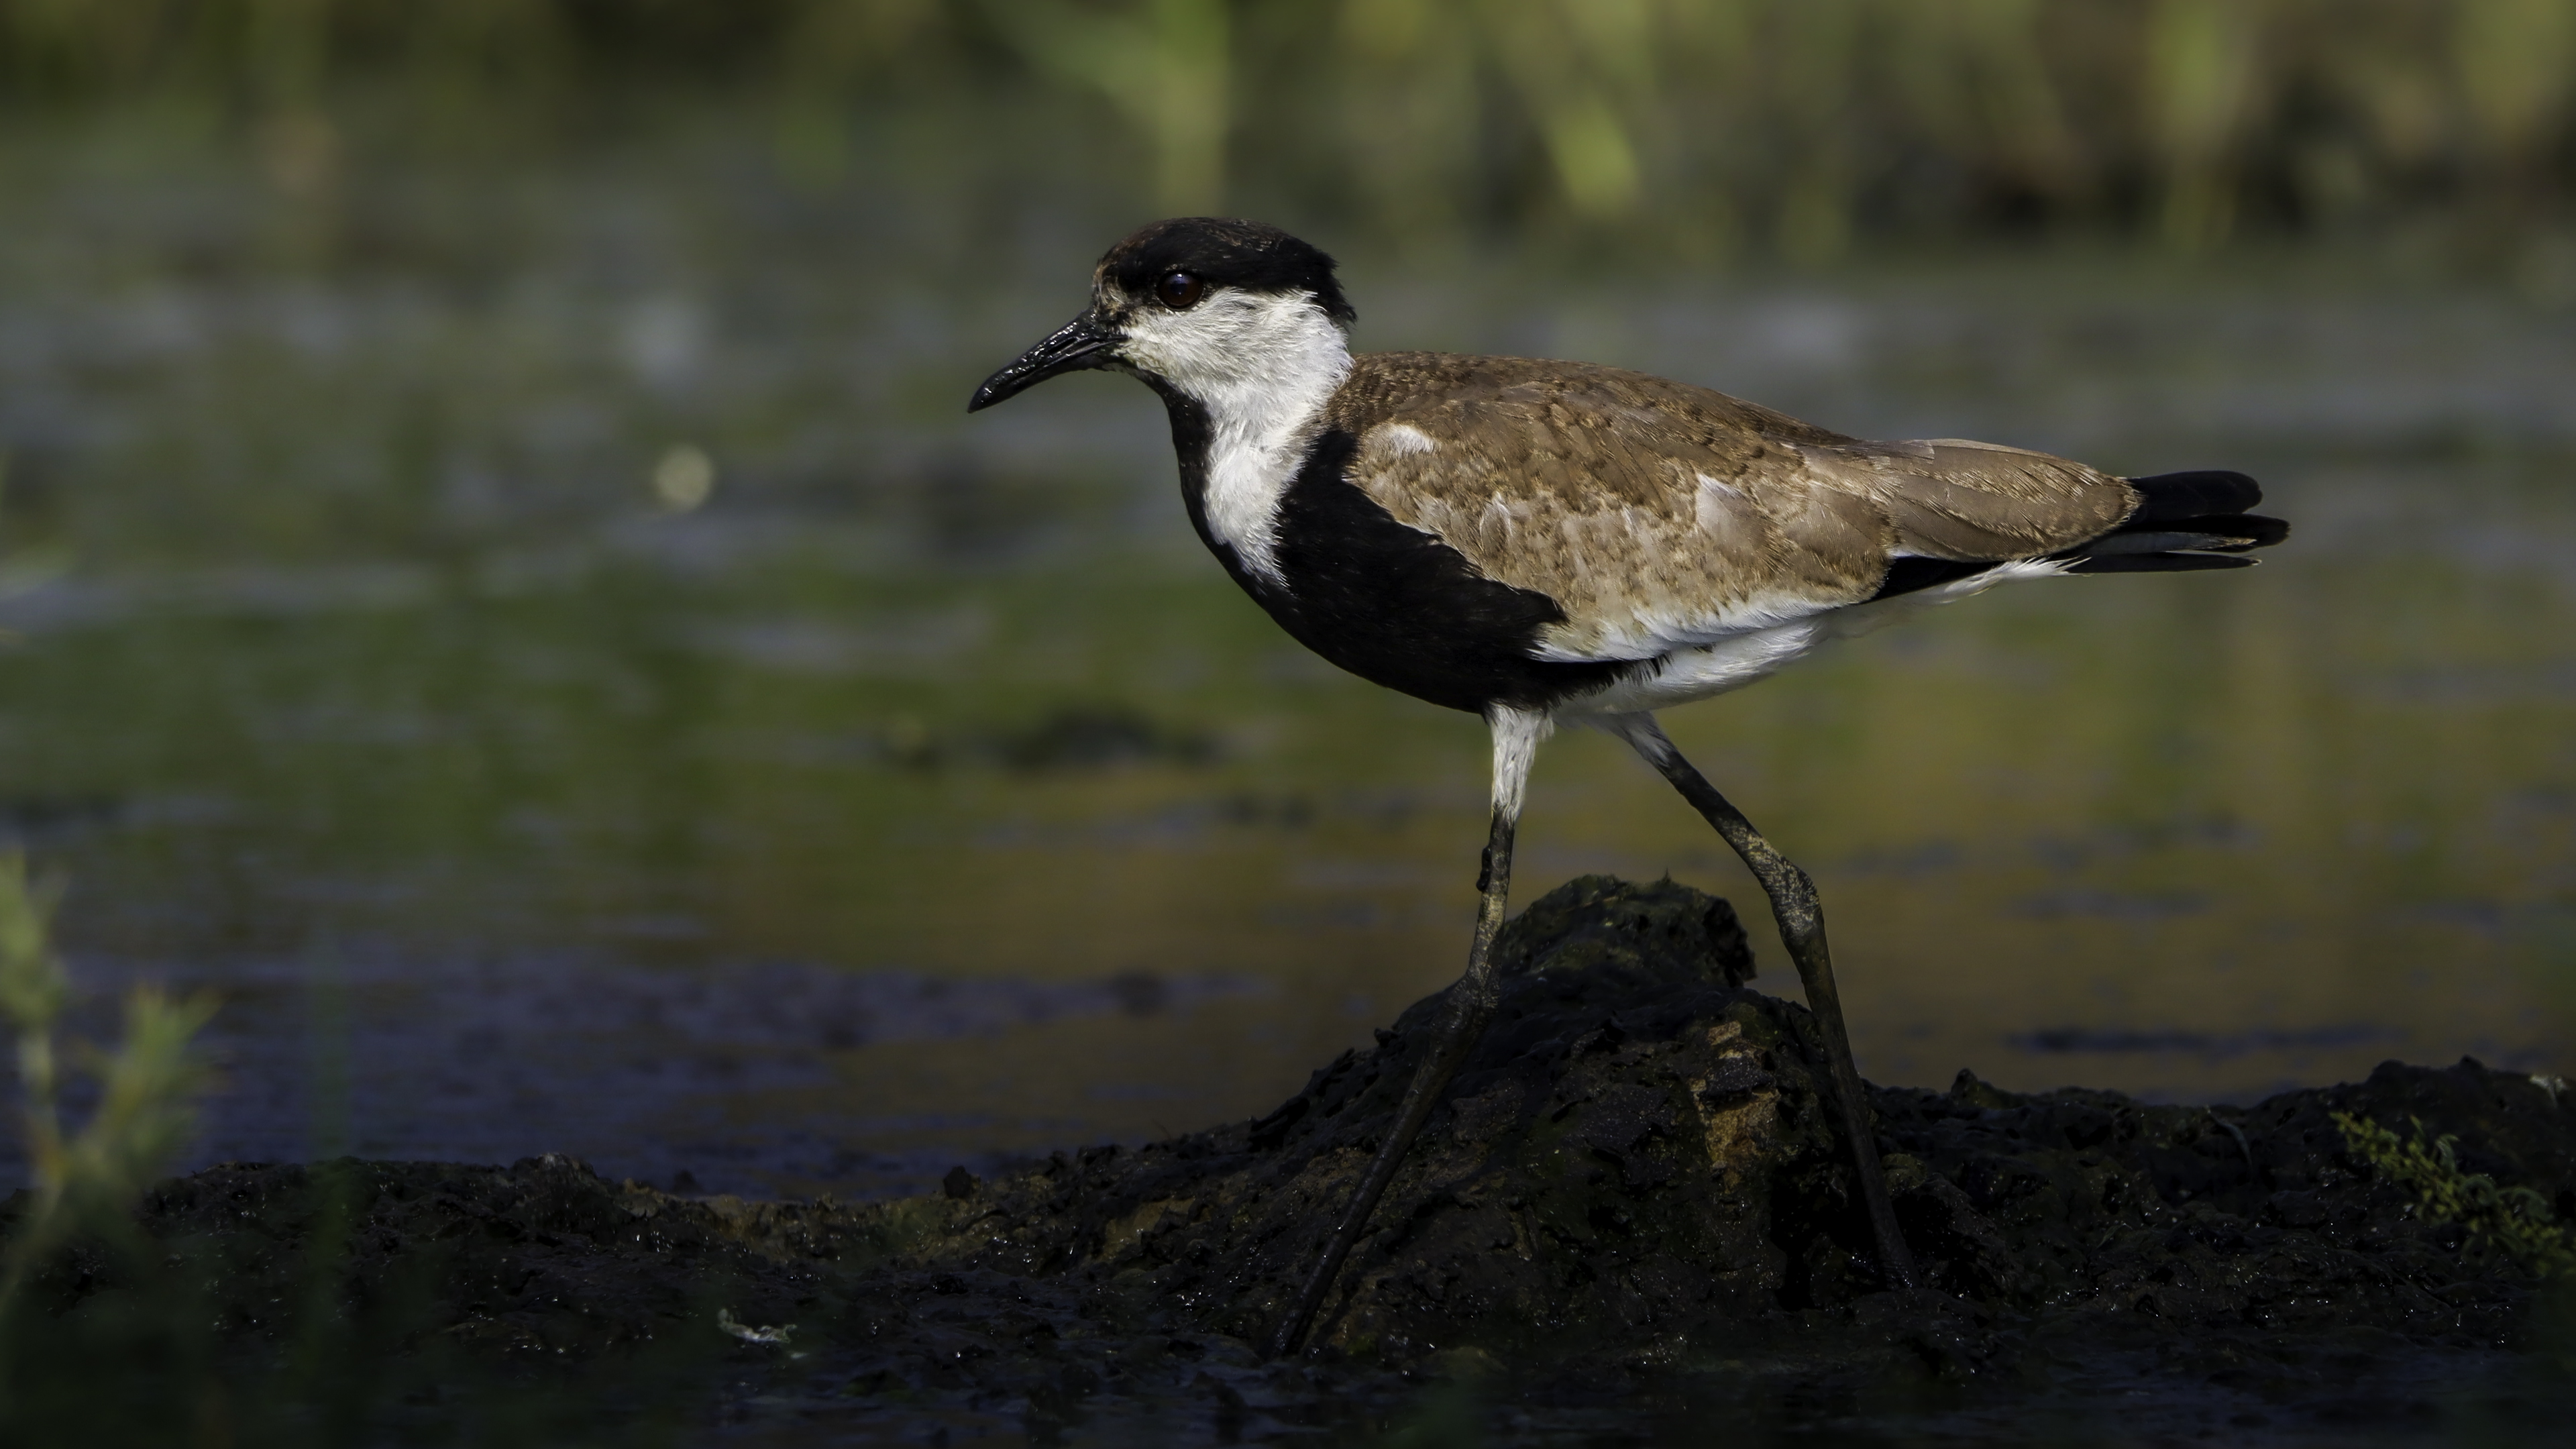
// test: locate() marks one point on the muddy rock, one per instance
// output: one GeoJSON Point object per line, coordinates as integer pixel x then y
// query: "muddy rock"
{"type": "Point", "coordinates": [1618, 1155]}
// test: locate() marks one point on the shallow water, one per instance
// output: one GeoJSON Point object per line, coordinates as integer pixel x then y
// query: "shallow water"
{"type": "Point", "coordinates": [927, 796]}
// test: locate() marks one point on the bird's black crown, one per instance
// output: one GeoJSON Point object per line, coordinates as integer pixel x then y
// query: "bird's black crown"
{"type": "Point", "coordinates": [1248, 254]}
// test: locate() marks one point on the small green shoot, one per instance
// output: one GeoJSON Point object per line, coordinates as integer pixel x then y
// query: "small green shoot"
{"type": "Point", "coordinates": [86, 1182]}
{"type": "Point", "coordinates": [2515, 1220]}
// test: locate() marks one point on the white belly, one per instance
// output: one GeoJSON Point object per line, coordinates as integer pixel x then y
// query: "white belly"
{"type": "Point", "coordinates": [1708, 669]}
{"type": "Point", "coordinates": [1740, 659]}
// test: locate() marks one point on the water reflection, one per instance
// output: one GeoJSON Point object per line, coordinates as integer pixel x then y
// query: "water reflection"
{"type": "Point", "coordinates": [918, 795]}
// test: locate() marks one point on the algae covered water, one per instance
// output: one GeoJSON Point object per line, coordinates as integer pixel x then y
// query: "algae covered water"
{"type": "Point", "coordinates": [544, 641]}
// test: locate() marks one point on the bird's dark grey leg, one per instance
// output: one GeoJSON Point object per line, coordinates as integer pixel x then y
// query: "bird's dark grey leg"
{"type": "Point", "coordinates": [1464, 1012]}
{"type": "Point", "coordinates": [1802, 930]}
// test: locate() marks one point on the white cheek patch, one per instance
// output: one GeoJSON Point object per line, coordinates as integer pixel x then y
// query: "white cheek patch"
{"type": "Point", "coordinates": [1263, 366]}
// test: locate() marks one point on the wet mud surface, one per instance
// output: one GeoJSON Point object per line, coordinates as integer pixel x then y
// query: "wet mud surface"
{"type": "Point", "coordinates": [1630, 1221]}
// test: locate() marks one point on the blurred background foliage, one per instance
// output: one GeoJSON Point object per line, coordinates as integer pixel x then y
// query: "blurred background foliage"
{"type": "Point", "coordinates": [1695, 127]}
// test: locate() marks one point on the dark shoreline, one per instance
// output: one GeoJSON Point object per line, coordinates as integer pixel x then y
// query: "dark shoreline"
{"type": "Point", "coordinates": [1630, 1220]}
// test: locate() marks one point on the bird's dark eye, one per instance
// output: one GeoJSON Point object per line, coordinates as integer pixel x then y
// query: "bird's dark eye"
{"type": "Point", "coordinates": [1179, 290]}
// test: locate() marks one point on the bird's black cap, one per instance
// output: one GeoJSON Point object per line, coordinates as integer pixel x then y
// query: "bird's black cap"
{"type": "Point", "coordinates": [1222, 252]}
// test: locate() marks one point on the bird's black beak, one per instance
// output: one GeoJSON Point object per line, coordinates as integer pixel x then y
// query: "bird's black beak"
{"type": "Point", "coordinates": [1080, 343]}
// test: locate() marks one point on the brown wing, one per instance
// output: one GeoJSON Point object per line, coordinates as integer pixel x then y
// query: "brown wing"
{"type": "Point", "coordinates": [1659, 515]}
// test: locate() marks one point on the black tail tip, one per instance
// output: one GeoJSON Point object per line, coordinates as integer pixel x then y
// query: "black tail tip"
{"type": "Point", "coordinates": [2240, 530]}
{"type": "Point", "coordinates": [2195, 494]}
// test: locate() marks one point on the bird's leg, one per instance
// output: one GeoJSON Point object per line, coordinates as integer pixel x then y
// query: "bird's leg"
{"type": "Point", "coordinates": [1802, 930]}
{"type": "Point", "coordinates": [1468, 1006]}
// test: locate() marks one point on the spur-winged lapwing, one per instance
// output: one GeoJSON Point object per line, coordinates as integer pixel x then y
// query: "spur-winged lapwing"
{"type": "Point", "coordinates": [1545, 542]}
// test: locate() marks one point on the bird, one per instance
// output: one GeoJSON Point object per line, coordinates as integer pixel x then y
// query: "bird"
{"type": "Point", "coordinates": [1547, 543]}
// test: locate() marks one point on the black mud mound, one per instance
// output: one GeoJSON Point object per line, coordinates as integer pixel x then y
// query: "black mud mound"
{"type": "Point", "coordinates": [1607, 1160]}
{"type": "Point", "coordinates": [1631, 1217]}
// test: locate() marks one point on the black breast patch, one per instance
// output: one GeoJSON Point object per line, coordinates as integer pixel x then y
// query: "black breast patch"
{"type": "Point", "coordinates": [1398, 607]}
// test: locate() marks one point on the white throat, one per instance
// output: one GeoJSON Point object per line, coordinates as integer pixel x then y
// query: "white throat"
{"type": "Point", "coordinates": [1263, 366]}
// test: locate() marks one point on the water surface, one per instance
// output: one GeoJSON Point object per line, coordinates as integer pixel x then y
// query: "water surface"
{"type": "Point", "coordinates": [926, 795]}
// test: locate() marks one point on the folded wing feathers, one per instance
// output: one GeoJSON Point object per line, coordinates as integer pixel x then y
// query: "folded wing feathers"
{"type": "Point", "coordinates": [1659, 515]}
{"type": "Point", "coordinates": [1948, 498]}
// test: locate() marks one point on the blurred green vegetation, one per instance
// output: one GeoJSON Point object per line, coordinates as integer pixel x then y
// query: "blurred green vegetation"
{"type": "Point", "coordinates": [1694, 126]}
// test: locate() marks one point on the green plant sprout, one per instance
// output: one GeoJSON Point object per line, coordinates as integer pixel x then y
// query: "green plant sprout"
{"type": "Point", "coordinates": [2515, 1220]}
{"type": "Point", "coordinates": [84, 1183]}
